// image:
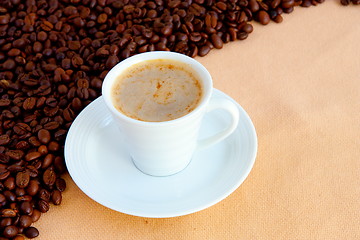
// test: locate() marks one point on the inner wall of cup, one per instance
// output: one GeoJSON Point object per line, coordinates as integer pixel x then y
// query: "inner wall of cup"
{"type": "Point", "coordinates": [112, 75]}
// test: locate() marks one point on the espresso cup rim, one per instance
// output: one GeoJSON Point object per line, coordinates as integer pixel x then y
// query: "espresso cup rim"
{"type": "Point", "coordinates": [204, 76]}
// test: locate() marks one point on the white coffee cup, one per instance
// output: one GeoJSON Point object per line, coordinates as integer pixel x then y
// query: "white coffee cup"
{"type": "Point", "coordinates": [165, 148]}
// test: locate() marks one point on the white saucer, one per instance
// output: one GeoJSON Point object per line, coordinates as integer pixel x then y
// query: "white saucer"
{"type": "Point", "coordinates": [101, 167]}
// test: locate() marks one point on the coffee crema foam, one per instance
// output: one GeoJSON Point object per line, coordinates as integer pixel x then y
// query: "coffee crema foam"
{"type": "Point", "coordinates": [157, 90]}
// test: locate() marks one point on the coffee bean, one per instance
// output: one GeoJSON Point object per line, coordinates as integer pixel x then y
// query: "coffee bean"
{"type": "Point", "coordinates": [60, 184]}
{"type": "Point", "coordinates": [3, 157]}
{"type": "Point", "coordinates": [26, 208]}
{"type": "Point", "coordinates": [25, 221]}
{"type": "Point", "coordinates": [4, 102]}
{"type": "Point", "coordinates": [43, 150]}
{"type": "Point", "coordinates": [54, 146]}
{"type": "Point", "coordinates": [9, 183]}
{"type": "Point", "coordinates": [4, 140]}
{"type": "Point", "coordinates": [51, 125]}
{"type": "Point", "coordinates": [248, 28]}
{"type": "Point", "coordinates": [10, 231]}
{"type": "Point", "coordinates": [10, 196]}
{"type": "Point", "coordinates": [288, 10]}
{"type": "Point", "coordinates": [32, 170]}
{"type": "Point", "coordinates": [29, 103]}
{"type": "Point", "coordinates": [34, 141]}
{"type": "Point", "coordinates": [32, 156]}
{"type": "Point", "coordinates": [8, 213]}
{"type": "Point", "coordinates": [43, 206]}
{"type": "Point", "coordinates": [49, 177]}
{"type": "Point", "coordinates": [20, 192]}
{"type": "Point", "coordinates": [5, 221]}
{"type": "Point", "coordinates": [44, 136]}
{"type": "Point", "coordinates": [59, 164]}
{"type": "Point", "coordinates": [3, 199]}
{"type": "Point", "coordinates": [287, 3]}
{"type": "Point", "coordinates": [22, 179]}
{"type": "Point", "coordinates": [19, 237]}
{"type": "Point", "coordinates": [242, 35]}
{"type": "Point", "coordinates": [15, 154]}
{"type": "Point", "coordinates": [4, 19]}
{"type": "Point", "coordinates": [254, 6]}
{"type": "Point", "coordinates": [102, 18]}
{"type": "Point", "coordinates": [32, 188]}
{"type": "Point", "coordinates": [56, 197]}
{"type": "Point", "coordinates": [35, 216]}
{"type": "Point", "coordinates": [14, 168]}
{"type": "Point", "coordinates": [31, 232]}
{"type": "Point", "coordinates": [9, 64]}
{"type": "Point", "coordinates": [263, 17]}
{"type": "Point", "coordinates": [216, 41]}
{"type": "Point", "coordinates": [204, 50]}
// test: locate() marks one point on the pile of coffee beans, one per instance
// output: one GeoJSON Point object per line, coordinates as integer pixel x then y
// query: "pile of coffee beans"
{"type": "Point", "coordinates": [347, 2]}
{"type": "Point", "coordinates": [54, 55]}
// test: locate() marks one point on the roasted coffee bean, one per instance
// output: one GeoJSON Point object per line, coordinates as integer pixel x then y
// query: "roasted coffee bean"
{"type": "Point", "coordinates": [22, 179]}
{"type": "Point", "coordinates": [15, 154]}
{"type": "Point", "coordinates": [59, 164]}
{"type": "Point", "coordinates": [29, 103]}
{"type": "Point", "coordinates": [31, 232]}
{"type": "Point", "coordinates": [5, 221]}
{"type": "Point", "coordinates": [32, 170]}
{"type": "Point", "coordinates": [242, 35]}
{"type": "Point", "coordinates": [43, 206]}
{"type": "Point", "coordinates": [263, 17]}
{"type": "Point", "coordinates": [43, 150]}
{"type": "Point", "coordinates": [49, 177]}
{"type": "Point", "coordinates": [204, 50]}
{"type": "Point", "coordinates": [54, 146]}
{"type": "Point", "coordinates": [4, 158]}
{"type": "Point", "coordinates": [248, 28]}
{"type": "Point", "coordinates": [287, 4]}
{"type": "Point", "coordinates": [4, 102]}
{"type": "Point", "coordinates": [4, 19]}
{"type": "Point", "coordinates": [60, 184]}
{"type": "Point", "coordinates": [10, 196]}
{"type": "Point", "coordinates": [34, 141]}
{"type": "Point", "coordinates": [216, 41]}
{"type": "Point", "coordinates": [35, 216]}
{"type": "Point", "coordinates": [278, 19]}
{"type": "Point", "coordinates": [47, 161]}
{"type": "Point", "coordinates": [20, 192]}
{"type": "Point", "coordinates": [44, 136]}
{"type": "Point", "coordinates": [3, 199]}
{"type": "Point", "coordinates": [8, 213]}
{"type": "Point", "coordinates": [26, 208]}
{"type": "Point", "coordinates": [25, 221]}
{"type": "Point", "coordinates": [51, 125]}
{"type": "Point", "coordinates": [32, 156]}
{"type": "Point", "coordinates": [33, 187]}
{"type": "Point", "coordinates": [14, 168]}
{"type": "Point", "coordinates": [19, 237]}
{"type": "Point", "coordinates": [68, 114]}
{"type": "Point", "coordinates": [9, 64]}
{"type": "Point", "coordinates": [9, 183]}
{"type": "Point", "coordinates": [10, 231]}
{"type": "Point", "coordinates": [56, 197]}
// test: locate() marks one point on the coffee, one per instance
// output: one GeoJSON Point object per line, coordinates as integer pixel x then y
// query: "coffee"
{"type": "Point", "coordinates": [157, 90]}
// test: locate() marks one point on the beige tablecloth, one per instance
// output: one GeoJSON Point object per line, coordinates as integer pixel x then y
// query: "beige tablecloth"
{"type": "Point", "coordinates": [300, 83]}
